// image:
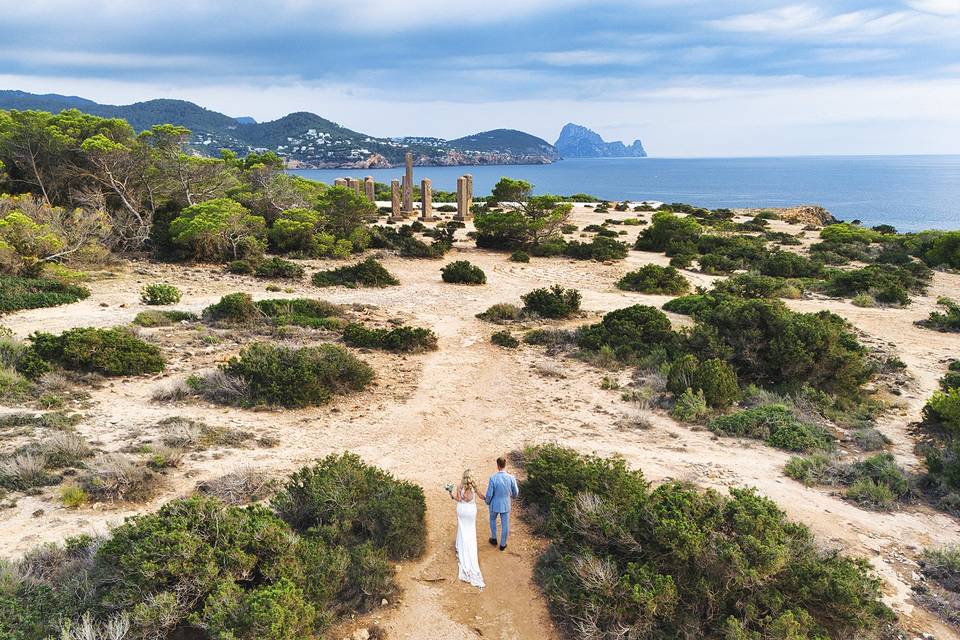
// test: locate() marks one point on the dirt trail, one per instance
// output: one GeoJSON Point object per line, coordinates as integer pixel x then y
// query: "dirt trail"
{"type": "Point", "coordinates": [433, 415]}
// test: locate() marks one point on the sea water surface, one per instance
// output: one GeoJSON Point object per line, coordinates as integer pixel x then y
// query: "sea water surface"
{"type": "Point", "coordinates": [908, 192]}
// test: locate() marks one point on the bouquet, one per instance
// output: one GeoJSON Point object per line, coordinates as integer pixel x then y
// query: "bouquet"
{"type": "Point", "coordinates": [448, 487]}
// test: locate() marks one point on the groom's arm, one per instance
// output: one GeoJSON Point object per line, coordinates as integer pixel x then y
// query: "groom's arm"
{"type": "Point", "coordinates": [487, 498]}
{"type": "Point", "coordinates": [514, 487]}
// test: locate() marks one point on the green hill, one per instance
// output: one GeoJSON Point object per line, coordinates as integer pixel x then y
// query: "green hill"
{"type": "Point", "coordinates": [303, 139]}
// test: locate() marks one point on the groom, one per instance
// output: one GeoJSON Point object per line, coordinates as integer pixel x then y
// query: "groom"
{"type": "Point", "coordinates": [500, 489]}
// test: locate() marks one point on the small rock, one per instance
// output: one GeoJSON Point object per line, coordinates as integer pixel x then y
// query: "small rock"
{"type": "Point", "coordinates": [360, 634]}
{"type": "Point", "coordinates": [37, 513]}
{"type": "Point", "coordinates": [384, 602]}
{"type": "Point", "coordinates": [104, 304]}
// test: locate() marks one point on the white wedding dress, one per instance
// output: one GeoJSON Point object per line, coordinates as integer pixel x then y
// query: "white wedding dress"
{"type": "Point", "coordinates": [467, 542]}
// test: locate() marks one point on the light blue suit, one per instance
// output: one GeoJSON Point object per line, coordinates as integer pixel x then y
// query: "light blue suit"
{"type": "Point", "coordinates": [500, 489]}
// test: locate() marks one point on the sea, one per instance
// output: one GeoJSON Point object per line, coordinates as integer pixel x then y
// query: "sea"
{"type": "Point", "coordinates": [909, 192]}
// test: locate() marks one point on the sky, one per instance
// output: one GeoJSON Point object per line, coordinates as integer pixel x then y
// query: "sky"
{"type": "Point", "coordinates": [690, 78]}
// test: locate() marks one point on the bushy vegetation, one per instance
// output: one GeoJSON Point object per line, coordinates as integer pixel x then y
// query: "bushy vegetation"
{"type": "Point", "coordinates": [947, 320]}
{"type": "Point", "coordinates": [886, 283]}
{"type": "Point", "coordinates": [234, 308]}
{"type": "Point", "coordinates": [463, 272]}
{"type": "Point", "coordinates": [297, 377]}
{"type": "Point", "coordinates": [111, 352]}
{"type": "Point", "coordinates": [34, 293]}
{"type": "Point", "coordinates": [369, 273]}
{"type": "Point", "coordinates": [876, 482]}
{"type": "Point", "coordinates": [521, 220]}
{"type": "Point", "coordinates": [941, 444]}
{"type": "Point", "coordinates": [500, 313]}
{"type": "Point", "coordinates": [407, 246]}
{"type": "Point", "coordinates": [555, 302]}
{"type": "Point", "coordinates": [278, 268]}
{"type": "Point", "coordinates": [519, 256]}
{"type": "Point", "coordinates": [323, 550]}
{"type": "Point", "coordinates": [653, 278]}
{"type": "Point", "coordinates": [160, 294]}
{"type": "Point", "coordinates": [714, 377]}
{"type": "Point", "coordinates": [301, 312]}
{"type": "Point", "coordinates": [218, 230]}
{"type": "Point", "coordinates": [158, 318]}
{"type": "Point", "coordinates": [776, 425]}
{"type": "Point", "coordinates": [669, 233]}
{"type": "Point", "coordinates": [679, 562]}
{"type": "Point", "coordinates": [772, 346]}
{"type": "Point", "coordinates": [504, 339]}
{"type": "Point", "coordinates": [401, 339]}
{"type": "Point", "coordinates": [629, 333]}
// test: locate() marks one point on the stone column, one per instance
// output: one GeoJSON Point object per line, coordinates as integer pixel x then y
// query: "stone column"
{"type": "Point", "coordinates": [426, 200]}
{"type": "Point", "coordinates": [395, 200]}
{"type": "Point", "coordinates": [469, 195]}
{"type": "Point", "coordinates": [354, 185]}
{"type": "Point", "coordinates": [369, 188]}
{"type": "Point", "coordinates": [408, 185]}
{"type": "Point", "coordinates": [340, 182]}
{"type": "Point", "coordinates": [461, 198]}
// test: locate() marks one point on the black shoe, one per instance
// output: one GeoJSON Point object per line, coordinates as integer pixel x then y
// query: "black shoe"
{"type": "Point", "coordinates": [493, 541]}
{"type": "Point", "coordinates": [502, 547]}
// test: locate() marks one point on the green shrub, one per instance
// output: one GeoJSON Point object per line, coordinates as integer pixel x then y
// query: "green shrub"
{"type": "Point", "coordinates": [400, 339]}
{"type": "Point", "coordinates": [157, 318]}
{"type": "Point", "coordinates": [346, 502]}
{"type": "Point", "coordinates": [504, 339]}
{"type": "Point", "coordinates": [786, 264]}
{"type": "Point", "coordinates": [369, 273]}
{"type": "Point", "coordinates": [691, 305]}
{"type": "Point", "coordinates": [863, 300]}
{"type": "Point", "coordinates": [160, 294]}
{"type": "Point", "coordinates": [519, 256]}
{"type": "Point", "coordinates": [846, 233]}
{"type": "Point", "coordinates": [872, 494]}
{"type": "Point", "coordinates": [681, 562]}
{"type": "Point", "coordinates": [555, 302]}
{"type": "Point", "coordinates": [35, 293]}
{"type": "Point", "coordinates": [462, 272]}
{"type": "Point", "coordinates": [942, 412]}
{"type": "Point", "coordinates": [943, 565]}
{"type": "Point", "coordinates": [690, 406]}
{"type": "Point", "coordinates": [810, 470]}
{"type": "Point", "coordinates": [291, 377]}
{"type": "Point", "coordinates": [601, 249]}
{"type": "Point", "coordinates": [772, 346]}
{"type": "Point", "coordinates": [233, 308]}
{"type": "Point", "coordinates": [947, 320]}
{"type": "Point", "coordinates": [653, 278]}
{"type": "Point", "coordinates": [943, 250]}
{"type": "Point", "coordinates": [302, 312]}
{"type": "Point", "coordinates": [550, 337]}
{"type": "Point", "coordinates": [277, 268]}
{"type": "Point", "coordinates": [774, 424]}
{"type": "Point", "coordinates": [630, 332]}
{"type": "Point", "coordinates": [240, 267]}
{"type": "Point", "coordinates": [218, 230]}
{"type": "Point", "coordinates": [718, 381]}
{"type": "Point", "coordinates": [111, 352]}
{"type": "Point", "coordinates": [749, 285]}
{"type": "Point", "coordinates": [667, 232]}
{"type": "Point", "coordinates": [500, 313]}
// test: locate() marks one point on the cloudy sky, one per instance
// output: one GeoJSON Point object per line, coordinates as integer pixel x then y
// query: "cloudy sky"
{"type": "Point", "coordinates": [688, 77]}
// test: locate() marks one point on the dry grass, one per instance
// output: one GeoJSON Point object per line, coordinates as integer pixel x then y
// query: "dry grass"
{"type": "Point", "coordinates": [241, 486]}
{"type": "Point", "coordinates": [222, 388]}
{"type": "Point", "coordinates": [65, 449]}
{"type": "Point", "coordinates": [195, 435]}
{"type": "Point", "coordinates": [24, 470]}
{"type": "Point", "coordinates": [171, 391]}
{"type": "Point", "coordinates": [115, 477]}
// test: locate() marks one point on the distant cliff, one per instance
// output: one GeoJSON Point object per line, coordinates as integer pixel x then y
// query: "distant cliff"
{"type": "Point", "coordinates": [577, 141]}
{"type": "Point", "coordinates": [303, 140]}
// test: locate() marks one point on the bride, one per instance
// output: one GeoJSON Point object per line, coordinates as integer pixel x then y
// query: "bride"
{"type": "Point", "coordinates": [466, 497]}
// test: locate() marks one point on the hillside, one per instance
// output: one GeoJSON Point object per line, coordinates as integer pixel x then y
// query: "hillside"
{"type": "Point", "coordinates": [304, 139]}
{"type": "Point", "coordinates": [577, 141]}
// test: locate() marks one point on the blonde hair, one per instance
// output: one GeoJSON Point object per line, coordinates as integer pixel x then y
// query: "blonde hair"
{"type": "Point", "coordinates": [467, 481]}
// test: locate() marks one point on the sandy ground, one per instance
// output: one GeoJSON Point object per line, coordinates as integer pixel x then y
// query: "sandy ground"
{"type": "Point", "coordinates": [432, 415]}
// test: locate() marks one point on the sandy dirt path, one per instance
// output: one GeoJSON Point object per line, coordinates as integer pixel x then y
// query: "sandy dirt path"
{"type": "Point", "coordinates": [433, 415]}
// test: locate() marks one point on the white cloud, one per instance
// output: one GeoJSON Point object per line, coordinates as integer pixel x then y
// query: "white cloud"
{"type": "Point", "coordinates": [804, 20]}
{"type": "Point", "coordinates": [589, 57]}
{"type": "Point", "coordinates": [938, 7]}
{"type": "Point", "coordinates": [102, 60]}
